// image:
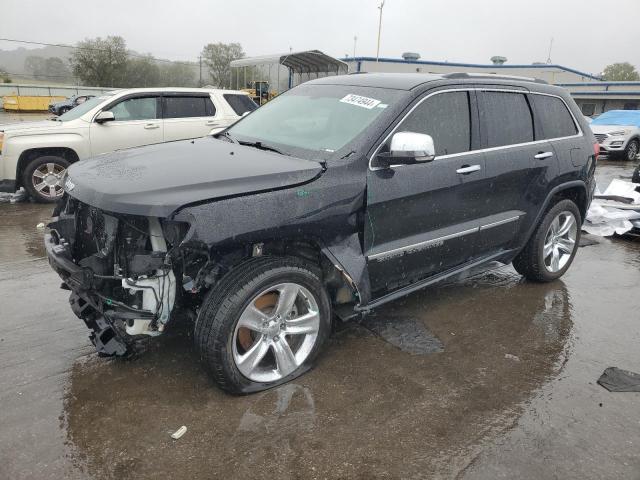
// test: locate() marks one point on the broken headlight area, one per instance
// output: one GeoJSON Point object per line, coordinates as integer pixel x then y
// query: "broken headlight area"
{"type": "Point", "coordinates": [119, 269]}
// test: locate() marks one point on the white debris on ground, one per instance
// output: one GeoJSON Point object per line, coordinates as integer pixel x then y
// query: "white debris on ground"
{"type": "Point", "coordinates": [178, 433]}
{"type": "Point", "coordinates": [19, 196]}
{"type": "Point", "coordinates": [614, 211]}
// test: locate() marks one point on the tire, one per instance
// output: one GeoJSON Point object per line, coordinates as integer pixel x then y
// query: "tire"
{"type": "Point", "coordinates": [223, 340]}
{"type": "Point", "coordinates": [532, 262]}
{"type": "Point", "coordinates": [43, 176]}
{"type": "Point", "coordinates": [632, 150]}
{"type": "Point", "coordinates": [636, 175]}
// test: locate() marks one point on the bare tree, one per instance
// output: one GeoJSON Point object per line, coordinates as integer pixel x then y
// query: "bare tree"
{"type": "Point", "coordinates": [217, 57]}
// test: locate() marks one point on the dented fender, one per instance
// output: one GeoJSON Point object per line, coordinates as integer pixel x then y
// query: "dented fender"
{"type": "Point", "coordinates": [327, 211]}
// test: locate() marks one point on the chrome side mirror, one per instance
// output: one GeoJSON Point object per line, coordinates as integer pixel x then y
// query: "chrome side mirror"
{"type": "Point", "coordinates": [103, 117]}
{"type": "Point", "coordinates": [408, 148]}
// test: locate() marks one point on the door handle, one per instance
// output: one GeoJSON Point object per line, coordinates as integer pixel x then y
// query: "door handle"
{"type": "Point", "coordinates": [468, 169]}
{"type": "Point", "coordinates": [151, 126]}
{"type": "Point", "coordinates": [543, 155]}
{"type": "Point", "coordinates": [212, 123]}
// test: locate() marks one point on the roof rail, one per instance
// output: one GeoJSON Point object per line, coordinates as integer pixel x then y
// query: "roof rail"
{"type": "Point", "coordinates": [493, 75]}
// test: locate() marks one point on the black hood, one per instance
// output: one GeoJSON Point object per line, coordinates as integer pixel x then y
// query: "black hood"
{"type": "Point", "coordinates": [158, 179]}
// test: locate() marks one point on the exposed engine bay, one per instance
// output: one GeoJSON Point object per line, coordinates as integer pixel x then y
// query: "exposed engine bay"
{"type": "Point", "coordinates": [120, 271]}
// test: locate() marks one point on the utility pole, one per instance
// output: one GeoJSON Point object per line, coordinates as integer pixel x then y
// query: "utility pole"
{"type": "Point", "coordinates": [355, 40]}
{"type": "Point", "coordinates": [200, 81]}
{"type": "Point", "coordinates": [379, 30]}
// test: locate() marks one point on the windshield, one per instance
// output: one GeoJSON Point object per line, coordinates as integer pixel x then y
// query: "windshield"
{"type": "Point", "coordinates": [84, 107]}
{"type": "Point", "coordinates": [315, 118]}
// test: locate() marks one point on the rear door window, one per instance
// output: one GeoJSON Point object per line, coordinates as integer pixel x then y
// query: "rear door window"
{"type": "Point", "coordinates": [240, 104]}
{"type": "Point", "coordinates": [555, 119]}
{"type": "Point", "coordinates": [188, 106]}
{"type": "Point", "coordinates": [446, 117]}
{"type": "Point", "coordinates": [506, 118]}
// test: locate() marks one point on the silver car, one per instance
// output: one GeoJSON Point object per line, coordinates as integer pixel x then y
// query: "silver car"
{"type": "Point", "coordinates": [618, 133]}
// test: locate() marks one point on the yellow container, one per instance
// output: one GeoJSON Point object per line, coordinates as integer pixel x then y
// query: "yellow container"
{"type": "Point", "coordinates": [22, 103]}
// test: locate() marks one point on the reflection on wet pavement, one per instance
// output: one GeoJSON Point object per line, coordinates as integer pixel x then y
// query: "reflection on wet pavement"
{"type": "Point", "coordinates": [19, 238]}
{"type": "Point", "coordinates": [512, 392]}
{"type": "Point", "coordinates": [348, 416]}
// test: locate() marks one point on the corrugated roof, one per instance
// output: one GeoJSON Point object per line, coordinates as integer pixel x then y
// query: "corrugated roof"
{"type": "Point", "coordinates": [310, 61]}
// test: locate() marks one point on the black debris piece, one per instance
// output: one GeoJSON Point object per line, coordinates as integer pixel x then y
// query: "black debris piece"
{"type": "Point", "coordinates": [617, 380]}
{"type": "Point", "coordinates": [408, 334]}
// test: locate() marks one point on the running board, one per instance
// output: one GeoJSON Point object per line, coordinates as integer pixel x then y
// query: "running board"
{"type": "Point", "coordinates": [429, 281]}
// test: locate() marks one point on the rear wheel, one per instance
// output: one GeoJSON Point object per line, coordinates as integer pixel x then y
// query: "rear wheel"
{"type": "Point", "coordinates": [43, 176]}
{"type": "Point", "coordinates": [264, 324]}
{"type": "Point", "coordinates": [636, 175]}
{"type": "Point", "coordinates": [551, 249]}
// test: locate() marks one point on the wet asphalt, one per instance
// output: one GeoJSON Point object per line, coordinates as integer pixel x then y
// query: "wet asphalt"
{"type": "Point", "coordinates": [508, 391]}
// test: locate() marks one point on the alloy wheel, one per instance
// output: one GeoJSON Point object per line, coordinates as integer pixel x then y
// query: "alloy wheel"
{"type": "Point", "coordinates": [632, 150]}
{"type": "Point", "coordinates": [560, 241]}
{"type": "Point", "coordinates": [276, 332]}
{"type": "Point", "coordinates": [47, 180]}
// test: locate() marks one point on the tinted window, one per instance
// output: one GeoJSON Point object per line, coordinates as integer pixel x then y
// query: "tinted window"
{"type": "Point", "coordinates": [555, 118]}
{"type": "Point", "coordinates": [446, 118]}
{"type": "Point", "coordinates": [183, 107]}
{"type": "Point", "coordinates": [145, 108]}
{"type": "Point", "coordinates": [506, 118]}
{"type": "Point", "coordinates": [240, 103]}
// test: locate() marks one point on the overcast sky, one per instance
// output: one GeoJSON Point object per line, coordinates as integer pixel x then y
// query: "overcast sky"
{"type": "Point", "coordinates": [588, 34]}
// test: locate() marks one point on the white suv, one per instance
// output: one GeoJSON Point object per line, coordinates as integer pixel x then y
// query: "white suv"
{"type": "Point", "coordinates": [35, 155]}
{"type": "Point", "coordinates": [618, 133]}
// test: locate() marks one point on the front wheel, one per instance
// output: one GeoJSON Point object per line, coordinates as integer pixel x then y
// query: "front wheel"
{"type": "Point", "coordinates": [264, 324]}
{"type": "Point", "coordinates": [631, 152]}
{"type": "Point", "coordinates": [43, 176]}
{"type": "Point", "coordinates": [552, 247]}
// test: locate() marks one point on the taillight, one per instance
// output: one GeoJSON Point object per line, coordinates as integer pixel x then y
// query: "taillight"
{"type": "Point", "coordinates": [596, 150]}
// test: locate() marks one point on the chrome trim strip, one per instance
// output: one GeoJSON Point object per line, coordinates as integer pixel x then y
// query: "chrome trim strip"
{"type": "Point", "coordinates": [499, 222]}
{"type": "Point", "coordinates": [426, 243]}
{"type": "Point", "coordinates": [482, 150]}
{"type": "Point", "coordinates": [433, 241]}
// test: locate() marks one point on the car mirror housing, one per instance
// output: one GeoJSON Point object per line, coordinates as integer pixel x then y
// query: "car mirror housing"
{"type": "Point", "coordinates": [103, 117]}
{"type": "Point", "coordinates": [408, 148]}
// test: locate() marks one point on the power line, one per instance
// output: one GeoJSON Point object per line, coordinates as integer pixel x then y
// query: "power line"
{"type": "Point", "coordinates": [62, 45]}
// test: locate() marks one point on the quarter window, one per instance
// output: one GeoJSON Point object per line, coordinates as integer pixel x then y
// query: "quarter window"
{"type": "Point", "coordinates": [241, 104]}
{"type": "Point", "coordinates": [446, 117]}
{"type": "Point", "coordinates": [555, 118]}
{"type": "Point", "coordinates": [507, 118]}
{"type": "Point", "coordinates": [184, 107]}
{"type": "Point", "coordinates": [140, 108]}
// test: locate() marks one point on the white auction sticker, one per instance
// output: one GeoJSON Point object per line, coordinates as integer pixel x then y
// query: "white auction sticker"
{"type": "Point", "coordinates": [359, 101]}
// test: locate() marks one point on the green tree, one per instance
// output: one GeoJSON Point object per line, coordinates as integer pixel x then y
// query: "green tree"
{"type": "Point", "coordinates": [178, 75]}
{"type": "Point", "coordinates": [4, 76]}
{"type": "Point", "coordinates": [217, 57]}
{"type": "Point", "coordinates": [100, 62]}
{"type": "Point", "coordinates": [47, 68]}
{"type": "Point", "coordinates": [620, 72]}
{"type": "Point", "coordinates": [141, 72]}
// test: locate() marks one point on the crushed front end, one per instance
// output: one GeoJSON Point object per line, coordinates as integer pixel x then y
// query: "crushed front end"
{"type": "Point", "coordinates": [118, 269]}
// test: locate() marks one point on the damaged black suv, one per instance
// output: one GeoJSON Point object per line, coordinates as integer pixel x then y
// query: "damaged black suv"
{"type": "Point", "coordinates": [338, 196]}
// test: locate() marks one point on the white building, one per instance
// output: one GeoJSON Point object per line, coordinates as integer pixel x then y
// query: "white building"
{"type": "Point", "coordinates": [591, 94]}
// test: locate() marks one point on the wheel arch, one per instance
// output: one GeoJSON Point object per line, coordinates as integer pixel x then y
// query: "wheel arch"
{"type": "Point", "coordinates": [575, 191]}
{"type": "Point", "coordinates": [343, 291]}
{"type": "Point", "coordinates": [30, 154]}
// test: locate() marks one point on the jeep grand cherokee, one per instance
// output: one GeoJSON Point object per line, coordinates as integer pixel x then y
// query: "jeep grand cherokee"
{"type": "Point", "coordinates": [338, 196]}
